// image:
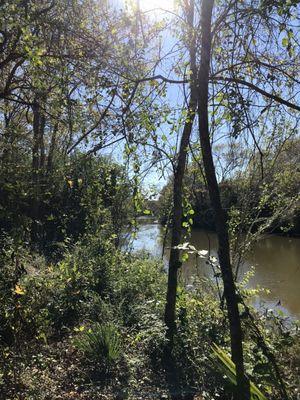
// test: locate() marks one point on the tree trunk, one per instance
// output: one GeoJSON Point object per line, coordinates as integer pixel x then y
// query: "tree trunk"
{"type": "Point", "coordinates": [179, 169]}
{"type": "Point", "coordinates": [35, 169]}
{"type": "Point", "coordinates": [52, 148]}
{"type": "Point", "coordinates": [176, 230]}
{"type": "Point", "coordinates": [42, 141]}
{"type": "Point", "coordinates": [242, 391]}
{"type": "Point", "coordinates": [38, 159]}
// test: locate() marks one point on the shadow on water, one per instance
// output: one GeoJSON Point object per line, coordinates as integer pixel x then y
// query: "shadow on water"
{"type": "Point", "coordinates": [276, 261]}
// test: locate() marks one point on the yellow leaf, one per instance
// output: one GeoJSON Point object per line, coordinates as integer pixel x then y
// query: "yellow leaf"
{"type": "Point", "coordinates": [19, 290]}
{"type": "Point", "coordinates": [70, 183]}
{"type": "Point", "coordinates": [80, 329]}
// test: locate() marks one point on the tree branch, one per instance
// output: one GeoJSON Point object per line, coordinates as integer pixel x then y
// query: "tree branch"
{"type": "Point", "coordinates": [102, 116]}
{"type": "Point", "coordinates": [271, 96]}
{"type": "Point", "coordinates": [250, 85]}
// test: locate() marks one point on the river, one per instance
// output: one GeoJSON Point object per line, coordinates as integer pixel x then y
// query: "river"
{"type": "Point", "coordinates": [276, 260]}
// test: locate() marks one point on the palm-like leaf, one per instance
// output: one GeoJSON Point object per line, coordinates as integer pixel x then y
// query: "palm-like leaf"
{"type": "Point", "coordinates": [227, 366]}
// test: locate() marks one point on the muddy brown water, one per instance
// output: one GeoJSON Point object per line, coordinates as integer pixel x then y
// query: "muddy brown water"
{"type": "Point", "coordinates": [276, 262]}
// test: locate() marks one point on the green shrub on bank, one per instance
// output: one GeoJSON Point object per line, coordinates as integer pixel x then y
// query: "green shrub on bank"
{"type": "Point", "coordinates": [96, 318]}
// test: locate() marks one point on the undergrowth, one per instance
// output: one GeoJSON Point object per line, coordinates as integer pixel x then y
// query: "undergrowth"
{"type": "Point", "coordinates": [91, 327]}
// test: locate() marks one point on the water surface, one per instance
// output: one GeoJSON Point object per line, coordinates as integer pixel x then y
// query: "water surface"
{"type": "Point", "coordinates": [276, 260]}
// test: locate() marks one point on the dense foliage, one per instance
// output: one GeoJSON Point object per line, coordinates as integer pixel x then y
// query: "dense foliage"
{"type": "Point", "coordinates": [91, 326]}
{"type": "Point", "coordinates": [90, 126]}
{"type": "Point", "coordinates": [78, 196]}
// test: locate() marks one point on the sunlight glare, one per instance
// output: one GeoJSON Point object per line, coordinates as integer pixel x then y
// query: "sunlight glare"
{"type": "Point", "coordinates": [148, 5]}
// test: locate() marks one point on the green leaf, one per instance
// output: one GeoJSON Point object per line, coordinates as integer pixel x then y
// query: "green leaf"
{"type": "Point", "coordinates": [285, 42]}
{"type": "Point", "coordinates": [219, 97]}
{"type": "Point", "coordinates": [184, 257]}
{"type": "Point", "coordinates": [227, 367]}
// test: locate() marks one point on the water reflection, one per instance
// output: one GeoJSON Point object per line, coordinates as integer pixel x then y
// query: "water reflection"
{"type": "Point", "coordinates": [276, 260]}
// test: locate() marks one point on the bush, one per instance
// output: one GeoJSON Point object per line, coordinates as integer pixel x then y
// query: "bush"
{"type": "Point", "coordinates": [101, 345]}
{"type": "Point", "coordinates": [114, 302]}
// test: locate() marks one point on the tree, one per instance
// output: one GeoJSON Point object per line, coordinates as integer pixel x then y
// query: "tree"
{"type": "Point", "coordinates": [63, 88]}
{"type": "Point", "coordinates": [247, 78]}
{"type": "Point", "coordinates": [243, 389]}
{"type": "Point", "coordinates": [178, 177]}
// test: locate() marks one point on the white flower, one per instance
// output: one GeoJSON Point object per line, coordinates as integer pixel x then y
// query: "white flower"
{"type": "Point", "coordinates": [203, 253]}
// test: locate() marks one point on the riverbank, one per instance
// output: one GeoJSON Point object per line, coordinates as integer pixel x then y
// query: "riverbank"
{"type": "Point", "coordinates": [203, 222]}
{"type": "Point", "coordinates": [91, 327]}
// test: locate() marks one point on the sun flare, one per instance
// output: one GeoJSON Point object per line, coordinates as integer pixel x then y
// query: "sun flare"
{"type": "Point", "coordinates": [148, 5]}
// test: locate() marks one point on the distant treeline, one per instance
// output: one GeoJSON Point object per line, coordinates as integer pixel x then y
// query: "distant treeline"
{"type": "Point", "coordinates": [271, 200]}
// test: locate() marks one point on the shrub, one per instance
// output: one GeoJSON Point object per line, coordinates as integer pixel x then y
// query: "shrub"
{"type": "Point", "coordinates": [101, 345]}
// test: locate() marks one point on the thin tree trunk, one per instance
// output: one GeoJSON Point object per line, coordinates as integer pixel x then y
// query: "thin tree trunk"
{"type": "Point", "coordinates": [52, 148]}
{"type": "Point", "coordinates": [42, 141]}
{"type": "Point", "coordinates": [38, 161]}
{"type": "Point", "coordinates": [36, 138]}
{"type": "Point", "coordinates": [35, 168]}
{"type": "Point", "coordinates": [176, 230]}
{"type": "Point", "coordinates": [236, 336]}
{"type": "Point", "coordinates": [179, 170]}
